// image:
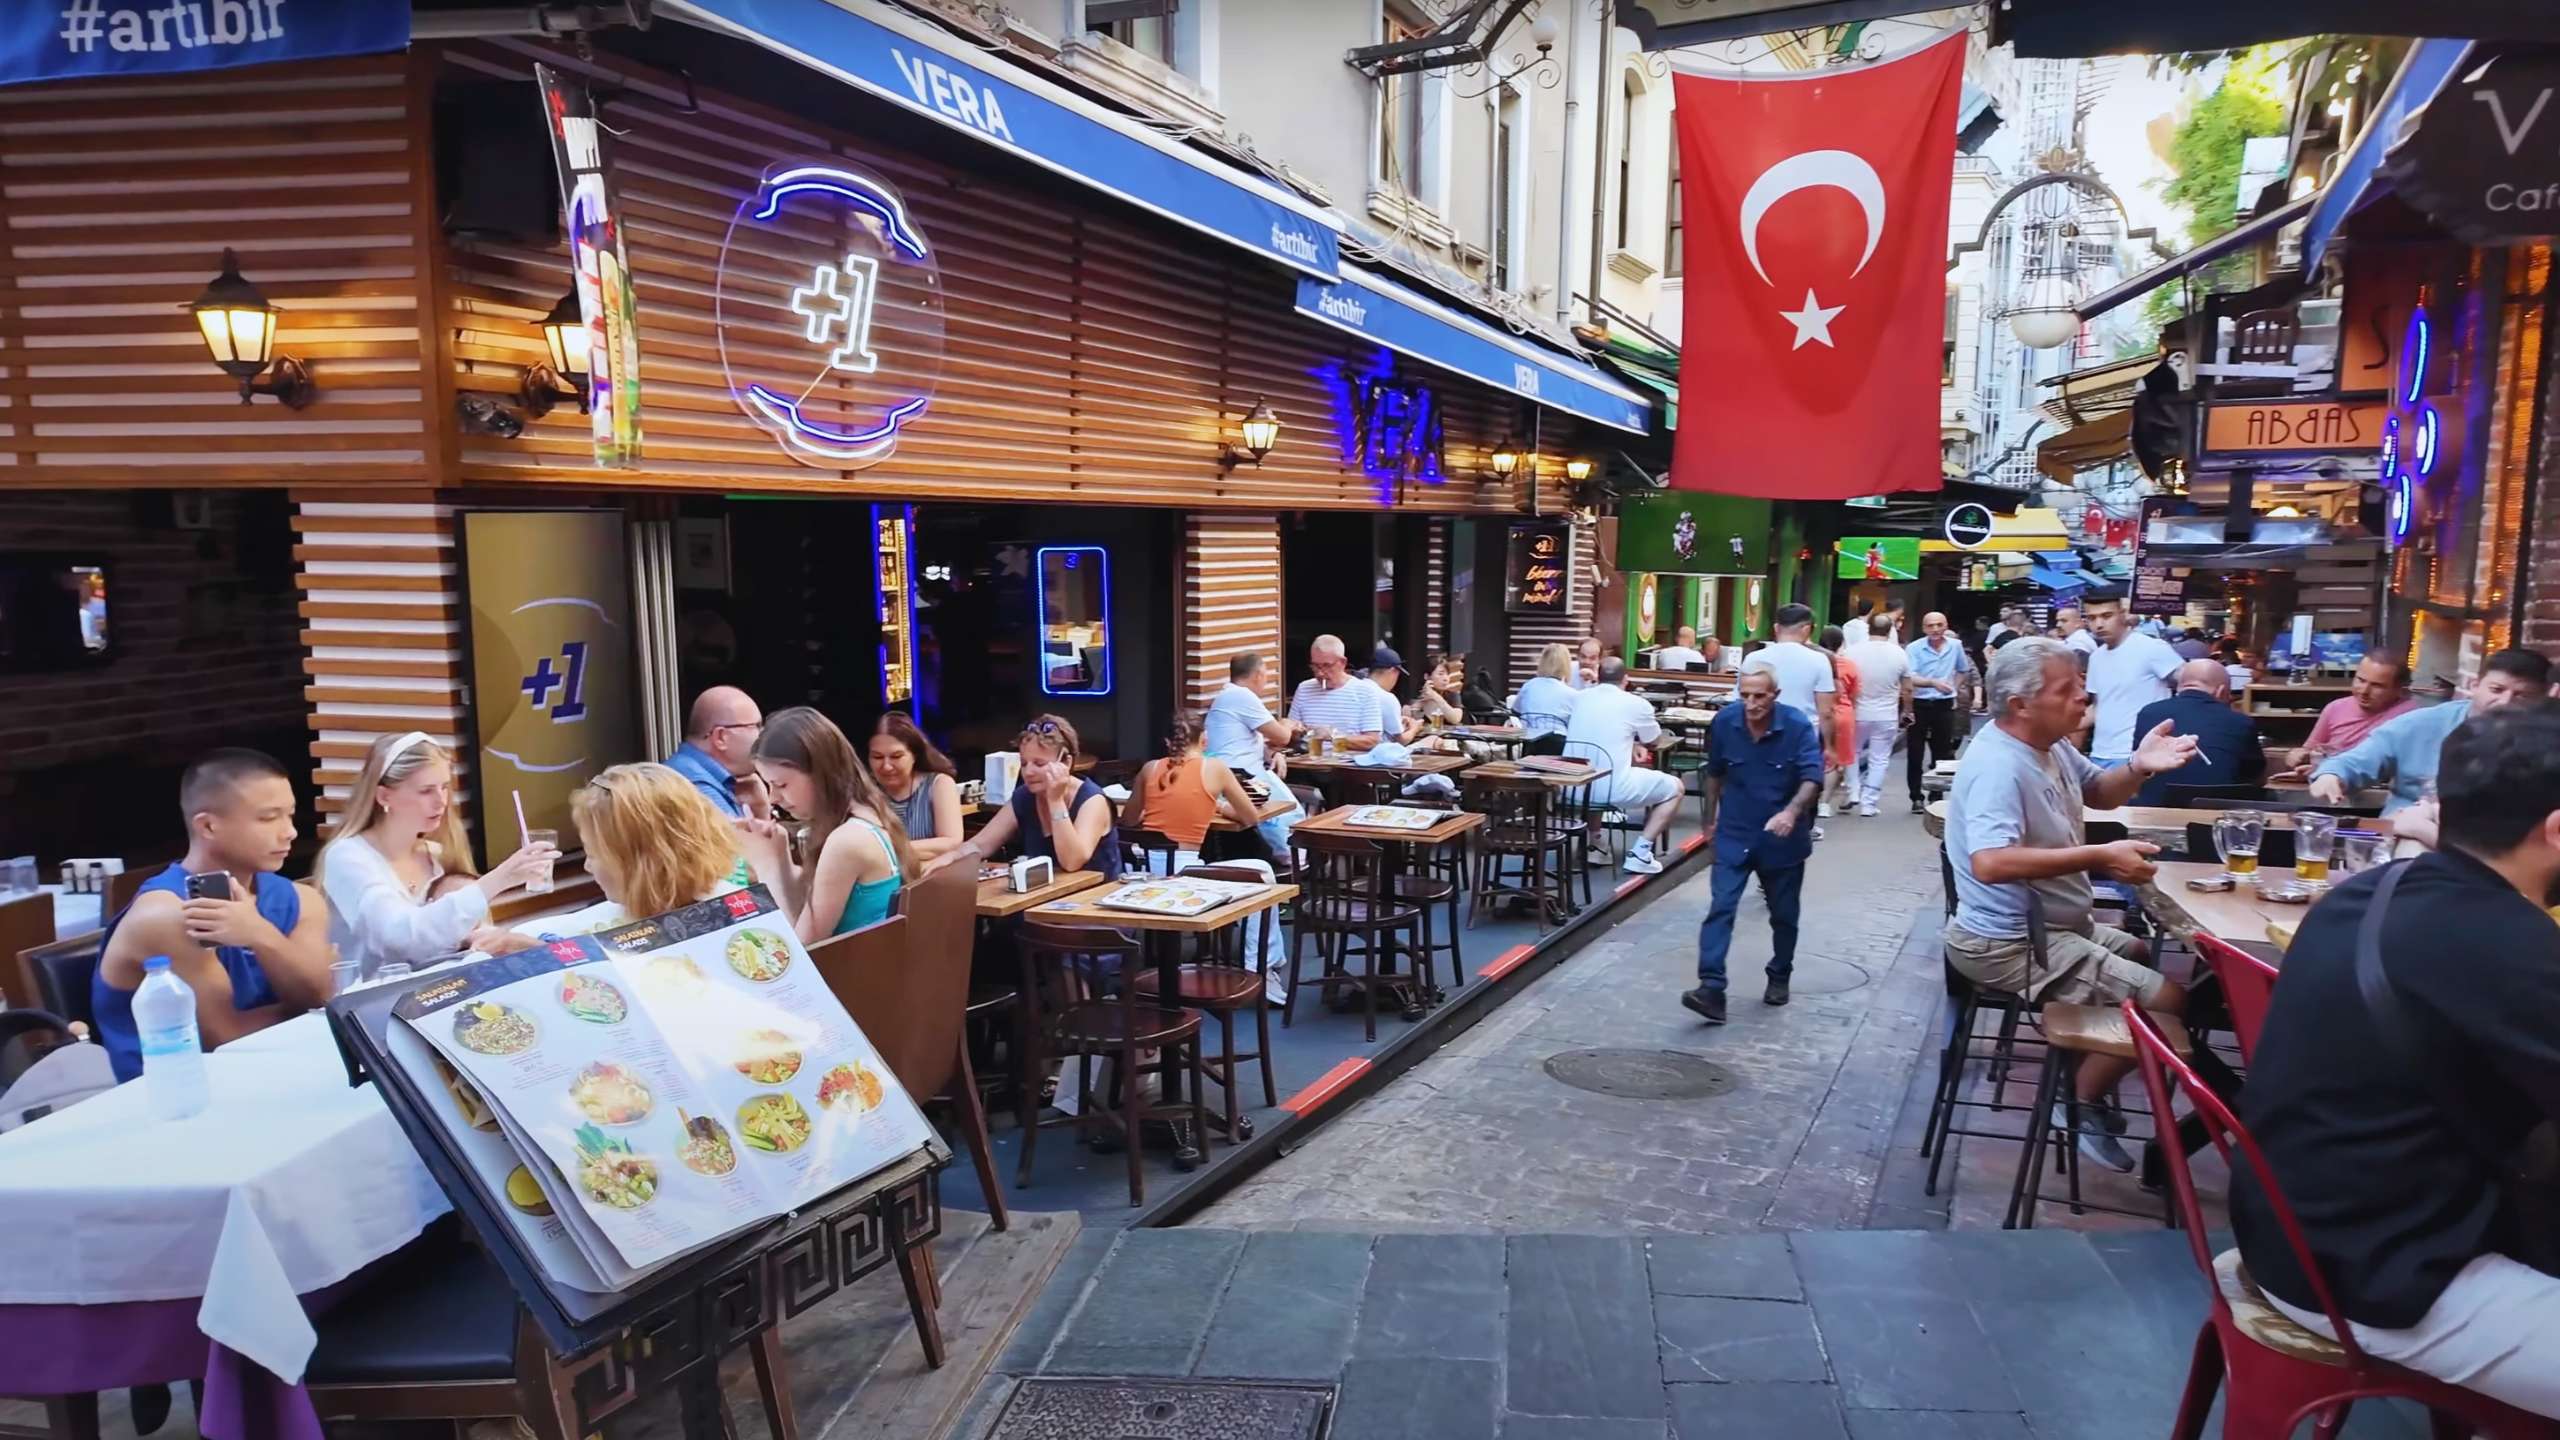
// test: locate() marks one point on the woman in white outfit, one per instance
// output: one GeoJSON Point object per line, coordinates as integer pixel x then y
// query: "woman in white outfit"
{"type": "Point", "coordinates": [398, 873]}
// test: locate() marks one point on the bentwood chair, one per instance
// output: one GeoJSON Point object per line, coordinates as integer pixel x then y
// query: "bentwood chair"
{"type": "Point", "coordinates": [1219, 986]}
{"type": "Point", "coordinates": [1345, 900]}
{"type": "Point", "coordinates": [1521, 827]}
{"type": "Point", "coordinates": [2273, 1373]}
{"type": "Point", "coordinates": [1077, 1006]}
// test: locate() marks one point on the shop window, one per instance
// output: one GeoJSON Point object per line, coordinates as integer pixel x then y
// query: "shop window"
{"type": "Point", "coordinates": [53, 611]}
{"type": "Point", "coordinates": [1627, 157]}
{"type": "Point", "coordinates": [1674, 224]}
{"type": "Point", "coordinates": [1075, 620]}
{"type": "Point", "coordinates": [1400, 115]}
{"type": "Point", "coordinates": [1506, 190]}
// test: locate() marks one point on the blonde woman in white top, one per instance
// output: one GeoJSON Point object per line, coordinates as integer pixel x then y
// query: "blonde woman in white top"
{"type": "Point", "coordinates": [398, 873]}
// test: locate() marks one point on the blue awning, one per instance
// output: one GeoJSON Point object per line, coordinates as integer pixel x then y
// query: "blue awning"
{"type": "Point", "coordinates": [910, 63]}
{"type": "Point", "coordinates": [2431, 64]}
{"type": "Point", "coordinates": [1409, 324]}
{"type": "Point", "coordinates": [2052, 579]}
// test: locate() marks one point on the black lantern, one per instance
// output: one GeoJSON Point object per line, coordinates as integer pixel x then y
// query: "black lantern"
{"type": "Point", "coordinates": [239, 327]}
{"type": "Point", "coordinates": [564, 336]}
{"type": "Point", "coordinates": [1261, 427]}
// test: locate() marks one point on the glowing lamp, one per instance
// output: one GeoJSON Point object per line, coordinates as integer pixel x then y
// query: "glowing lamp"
{"type": "Point", "coordinates": [1506, 458]}
{"type": "Point", "coordinates": [1261, 427]}
{"type": "Point", "coordinates": [564, 334]}
{"type": "Point", "coordinates": [239, 328]}
{"type": "Point", "coordinates": [1577, 470]}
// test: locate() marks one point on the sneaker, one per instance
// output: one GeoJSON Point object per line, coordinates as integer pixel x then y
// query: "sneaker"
{"type": "Point", "coordinates": [1817, 832]}
{"type": "Point", "coordinates": [1919, 807]}
{"type": "Point", "coordinates": [1776, 994]}
{"type": "Point", "coordinates": [1868, 809]}
{"type": "Point", "coordinates": [1707, 1004]}
{"type": "Point", "coordinates": [1822, 812]}
{"type": "Point", "coordinates": [2094, 1140]}
{"type": "Point", "coordinates": [2110, 1113]}
{"type": "Point", "coordinates": [1640, 859]}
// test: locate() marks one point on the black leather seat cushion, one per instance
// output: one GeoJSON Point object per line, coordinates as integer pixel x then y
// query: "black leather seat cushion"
{"type": "Point", "coordinates": [437, 1311]}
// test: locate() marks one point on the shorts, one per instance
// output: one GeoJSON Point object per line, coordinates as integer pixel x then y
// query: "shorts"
{"type": "Point", "coordinates": [2097, 966]}
{"type": "Point", "coordinates": [1642, 789]}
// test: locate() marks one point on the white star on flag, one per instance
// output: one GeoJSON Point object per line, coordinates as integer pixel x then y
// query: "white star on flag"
{"type": "Point", "coordinates": [1813, 322]}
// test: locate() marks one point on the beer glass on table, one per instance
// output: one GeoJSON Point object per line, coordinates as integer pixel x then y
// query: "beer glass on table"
{"type": "Point", "coordinates": [2237, 834]}
{"type": "Point", "coordinates": [2314, 836]}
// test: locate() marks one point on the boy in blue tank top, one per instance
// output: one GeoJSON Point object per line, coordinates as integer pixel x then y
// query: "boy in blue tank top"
{"type": "Point", "coordinates": [255, 959]}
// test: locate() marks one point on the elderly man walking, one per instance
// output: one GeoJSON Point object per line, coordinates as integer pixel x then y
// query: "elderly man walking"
{"type": "Point", "coordinates": [1941, 674]}
{"type": "Point", "coordinates": [1764, 766]}
{"type": "Point", "coordinates": [2017, 843]}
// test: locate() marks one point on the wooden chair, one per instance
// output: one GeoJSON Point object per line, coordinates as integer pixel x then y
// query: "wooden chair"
{"type": "Point", "coordinates": [59, 974]}
{"type": "Point", "coordinates": [26, 923]}
{"type": "Point", "coordinates": [1520, 825]}
{"type": "Point", "coordinates": [2278, 1373]}
{"type": "Point", "coordinates": [1074, 1005]}
{"type": "Point", "coordinates": [1219, 986]}
{"type": "Point", "coordinates": [435, 1333]}
{"type": "Point", "coordinates": [1343, 897]}
{"type": "Point", "coordinates": [122, 888]}
{"type": "Point", "coordinates": [1356, 786]}
{"type": "Point", "coordinates": [2248, 987]}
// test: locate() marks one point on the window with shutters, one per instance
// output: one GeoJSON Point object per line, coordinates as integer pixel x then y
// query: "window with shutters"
{"type": "Point", "coordinates": [1675, 229]}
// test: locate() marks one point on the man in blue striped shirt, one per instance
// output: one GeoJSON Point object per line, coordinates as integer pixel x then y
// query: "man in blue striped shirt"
{"type": "Point", "coordinates": [1336, 699]}
{"type": "Point", "coordinates": [1940, 675]}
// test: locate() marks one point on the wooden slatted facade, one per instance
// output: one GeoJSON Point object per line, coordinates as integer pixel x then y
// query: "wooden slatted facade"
{"type": "Point", "coordinates": [1231, 600]}
{"type": "Point", "coordinates": [1090, 357]}
{"type": "Point", "coordinates": [1532, 633]}
{"type": "Point", "coordinates": [382, 616]}
{"type": "Point", "coordinates": [116, 201]}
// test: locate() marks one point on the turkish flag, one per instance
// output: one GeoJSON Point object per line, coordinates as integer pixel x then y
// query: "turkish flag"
{"type": "Point", "coordinates": [1816, 277]}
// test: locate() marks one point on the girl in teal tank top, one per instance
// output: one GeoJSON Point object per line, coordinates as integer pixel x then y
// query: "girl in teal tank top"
{"type": "Point", "coordinates": [857, 857]}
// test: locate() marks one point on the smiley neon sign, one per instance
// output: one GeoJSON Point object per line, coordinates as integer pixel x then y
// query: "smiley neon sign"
{"type": "Point", "coordinates": [830, 313]}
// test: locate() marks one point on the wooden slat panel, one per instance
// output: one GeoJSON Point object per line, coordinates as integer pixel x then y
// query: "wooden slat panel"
{"type": "Point", "coordinates": [1230, 600]}
{"type": "Point", "coordinates": [116, 200]}
{"type": "Point", "coordinates": [1091, 355]}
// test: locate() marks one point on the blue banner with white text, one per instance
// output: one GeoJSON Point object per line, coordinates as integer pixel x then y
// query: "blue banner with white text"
{"type": "Point", "coordinates": [1424, 329]}
{"type": "Point", "coordinates": [78, 39]}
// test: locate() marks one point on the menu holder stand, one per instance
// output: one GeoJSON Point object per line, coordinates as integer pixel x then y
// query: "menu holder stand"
{"type": "Point", "coordinates": [671, 1328]}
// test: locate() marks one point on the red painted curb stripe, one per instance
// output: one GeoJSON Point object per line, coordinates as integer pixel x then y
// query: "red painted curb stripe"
{"type": "Point", "coordinates": [1506, 962]}
{"type": "Point", "coordinates": [1631, 883]}
{"type": "Point", "coordinates": [1331, 1083]}
{"type": "Point", "coordinates": [1692, 843]}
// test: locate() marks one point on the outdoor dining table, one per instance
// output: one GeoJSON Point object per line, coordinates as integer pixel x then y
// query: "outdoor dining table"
{"type": "Point", "coordinates": [1404, 845]}
{"type": "Point", "coordinates": [1509, 737]}
{"type": "Point", "coordinates": [141, 1252]}
{"type": "Point", "coordinates": [997, 903]}
{"type": "Point", "coordinates": [2236, 915]}
{"type": "Point", "coordinates": [1422, 762]}
{"type": "Point", "coordinates": [1161, 936]}
{"type": "Point", "coordinates": [1560, 778]}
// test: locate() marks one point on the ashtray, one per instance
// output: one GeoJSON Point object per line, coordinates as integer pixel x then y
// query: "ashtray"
{"type": "Point", "coordinates": [2286, 892]}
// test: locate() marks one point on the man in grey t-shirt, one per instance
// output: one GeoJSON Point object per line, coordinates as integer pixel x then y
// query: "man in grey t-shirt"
{"type": "Point", "coordinates": [2016, 838]}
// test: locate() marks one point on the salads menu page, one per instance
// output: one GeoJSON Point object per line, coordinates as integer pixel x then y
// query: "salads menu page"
{"type": "Point", "coordinates": [667, 1082]}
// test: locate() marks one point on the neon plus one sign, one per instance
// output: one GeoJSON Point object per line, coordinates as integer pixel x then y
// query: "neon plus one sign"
{"type": "Point", "coordinates": [839, 301]}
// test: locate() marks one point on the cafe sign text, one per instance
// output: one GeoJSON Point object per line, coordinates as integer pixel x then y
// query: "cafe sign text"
{"type": "Point", "coordinates": [2292, 427]}
{"type": "Point", "coordinates": [2484, 160]}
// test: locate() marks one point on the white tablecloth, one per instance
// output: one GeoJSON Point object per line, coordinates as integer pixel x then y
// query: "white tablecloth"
{"type": "Point", "coordinates": [74, 914]}
{"type": "Point", "coordinates": [290, 1181]}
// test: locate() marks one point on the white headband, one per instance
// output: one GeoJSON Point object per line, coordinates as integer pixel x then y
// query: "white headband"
{"type": "Point", "coordinates": [404, 745]}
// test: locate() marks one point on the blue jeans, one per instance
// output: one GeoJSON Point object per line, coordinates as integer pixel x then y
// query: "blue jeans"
{"type": "Point", "coordinates": [1275, 831]}
{"type": "Point", "coordinates": [1781, 885]}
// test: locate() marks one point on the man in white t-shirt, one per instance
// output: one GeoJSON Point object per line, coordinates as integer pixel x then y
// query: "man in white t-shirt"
{"type": "Point", "coordinates": [1243, 732]}
{"type": "Point", "coordinates": [1586, 662]}
{"type": "Point", "coordinates": [2127, 670]}
{"type": "Point", "coordinates": [1681, 653]}
{"type": "Point", "coordinates": [1884, 707]}
{"type": "Point", "coordinates": [1803, 673]}
{"type": "Point", "coordinates": [2071, 629]}
{"type": "Point", "coordinates": [1613, 721]}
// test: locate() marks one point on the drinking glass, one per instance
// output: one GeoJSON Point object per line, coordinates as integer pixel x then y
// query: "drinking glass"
{"type": "Point", "coordinates": [18, 875]}
{"type": "Point", "coordinates": [2314, 837]}
{"type": "Point", "coordinates": [343, 975]}
{"type": "Point", "coordinates": [392, 972]}
{"type": "Point", "coordinates": [540, 884]}
{"type": "Point", "coordinates": [2361, 850]}
{"type": "Point", "coordinates": [2236, 836]}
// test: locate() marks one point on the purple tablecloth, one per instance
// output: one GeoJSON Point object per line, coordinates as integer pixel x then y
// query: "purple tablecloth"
{"type": "Point", "coordinates": [78, 1349]}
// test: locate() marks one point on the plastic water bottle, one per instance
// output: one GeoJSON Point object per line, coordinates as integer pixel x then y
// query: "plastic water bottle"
{"type": "Point", "coordinates": [164, 1011]}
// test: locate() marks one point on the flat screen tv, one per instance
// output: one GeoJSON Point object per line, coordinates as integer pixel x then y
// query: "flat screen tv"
{"type": "Point", "coordinates": [53, 611]}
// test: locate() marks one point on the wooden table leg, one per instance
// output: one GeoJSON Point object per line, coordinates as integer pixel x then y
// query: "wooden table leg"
{"type": "Point", "coordinates": [773, 1385]}
{"type": "Point", "coordinates": [706, 1410]}
{"type": "Point", "coordinates": [72, 1417]}
{"type": "Point", "coordinates": [924, 1288]}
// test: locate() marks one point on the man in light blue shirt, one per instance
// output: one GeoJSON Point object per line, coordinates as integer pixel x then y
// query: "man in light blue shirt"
{"type": "Point", "coordinates": [1237, 729]}
{"type": "Point", "coordinates": [2402, 751]}
{"type": "Point", "coordinates": [719, 747]}
{"type": "Point", "coordinates": [1940, 674]}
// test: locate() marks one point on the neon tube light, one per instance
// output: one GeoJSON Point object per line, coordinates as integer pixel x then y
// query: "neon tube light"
{"type": "Point", "coordinates": [859, 189]}
{"type": "Point", "coordinates": [1094, 684]}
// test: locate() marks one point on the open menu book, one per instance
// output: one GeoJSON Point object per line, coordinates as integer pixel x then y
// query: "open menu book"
{"type": "Point", "coordinates": [638, 1093]}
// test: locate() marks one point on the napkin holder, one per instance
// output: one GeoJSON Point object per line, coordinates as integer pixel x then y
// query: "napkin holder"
{"type": "Point", "coordinates": [1030, 873]}
{"type": "Point", "coordinates": [1004, 771]}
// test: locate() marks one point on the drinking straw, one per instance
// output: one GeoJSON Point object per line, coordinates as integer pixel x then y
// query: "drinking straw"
{"type": "Point", "coordinates": [522, 830]}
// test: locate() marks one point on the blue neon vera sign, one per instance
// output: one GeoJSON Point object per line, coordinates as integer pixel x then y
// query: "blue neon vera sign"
{"type": "Point", "coordinates": [1088, 564]}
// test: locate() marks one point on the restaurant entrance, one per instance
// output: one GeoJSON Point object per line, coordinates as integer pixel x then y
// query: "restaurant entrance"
{"type": "Point", "coordinates": [776, 597]}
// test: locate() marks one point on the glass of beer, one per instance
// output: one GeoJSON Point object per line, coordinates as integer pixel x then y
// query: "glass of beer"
{"type": "Point", "coordinates": [2237, 835]}
{"type": "Point", "coordinates": [2314, 836]}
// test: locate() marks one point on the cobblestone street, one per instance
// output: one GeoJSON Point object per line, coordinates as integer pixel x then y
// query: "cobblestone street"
{"type": "Point", "coordinates": [1480, 1136]}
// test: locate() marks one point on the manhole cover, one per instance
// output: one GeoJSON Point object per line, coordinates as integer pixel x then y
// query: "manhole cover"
{"type": "Point", "coordinates": [1641, 1074]}
{"type": "Point", "coordinates": [1162, 1410]}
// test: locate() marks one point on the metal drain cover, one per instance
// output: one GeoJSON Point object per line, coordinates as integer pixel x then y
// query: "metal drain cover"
{"type": "Point", "coordinates": [1641, 1074]}
{"type": "Point", "coordinates": [1130, 1409]}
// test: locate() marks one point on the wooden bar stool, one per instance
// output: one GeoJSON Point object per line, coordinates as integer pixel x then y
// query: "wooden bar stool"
{"type": "Point", "coordinates": [1220, 986]}
{"type": "Point", "coordinates": [2071, 1031]}
{"type": "Point", "coordinates": [1521, 825]}
{"type": "Point", "coordinates": [1343, 897]}
{"type": "Point", "coordinates": [1079, 1001]}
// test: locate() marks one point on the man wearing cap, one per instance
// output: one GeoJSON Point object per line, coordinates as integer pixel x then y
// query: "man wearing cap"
{"type": "Point", "coordinates": [1386, 672]}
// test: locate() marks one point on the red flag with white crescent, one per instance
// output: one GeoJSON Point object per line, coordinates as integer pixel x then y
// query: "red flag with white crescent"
{"type": "Point", "coordinates": [1815, 291]}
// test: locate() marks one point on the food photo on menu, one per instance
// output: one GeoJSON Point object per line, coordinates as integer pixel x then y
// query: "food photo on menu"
{"type": "Point", "coordinates": [635, 1094]}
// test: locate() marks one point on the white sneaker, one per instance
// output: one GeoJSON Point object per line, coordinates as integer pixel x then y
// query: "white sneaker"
{"type": "Point", "coordinates": [1822, 812]}
{"type": "Point", "coordinates": [1868, 809]}
{"type": "Point", "coordinates": [1817, 832]}
{"type": "Point", "coordinates": [1640, 859]}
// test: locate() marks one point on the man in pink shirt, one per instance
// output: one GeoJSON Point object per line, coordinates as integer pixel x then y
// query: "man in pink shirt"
{"type": "Point", "coordinates": [2381, 690]}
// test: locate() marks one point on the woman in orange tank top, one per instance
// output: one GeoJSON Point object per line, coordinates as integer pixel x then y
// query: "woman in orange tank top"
{"type": "Point", "coordinates": [1177, 797]}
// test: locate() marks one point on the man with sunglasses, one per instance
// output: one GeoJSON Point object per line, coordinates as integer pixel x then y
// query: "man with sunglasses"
{"type": "Point", "coordinates": [719, 748]}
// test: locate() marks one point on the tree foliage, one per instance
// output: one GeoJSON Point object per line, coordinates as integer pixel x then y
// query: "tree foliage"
{"type": "Point", "coordinates": [2206, 152]}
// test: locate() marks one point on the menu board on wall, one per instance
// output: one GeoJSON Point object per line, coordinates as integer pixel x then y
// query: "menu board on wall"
{"type": "Point", "coordinates": [2159, 588]}
{"type": "Point", "coordinates": [1538, 571]}
{"type": "Point", "coordinates": [639, 1093]}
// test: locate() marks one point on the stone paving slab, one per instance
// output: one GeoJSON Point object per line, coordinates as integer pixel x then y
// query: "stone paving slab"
{"type": "Point", "coordinates": [1863, 1335]}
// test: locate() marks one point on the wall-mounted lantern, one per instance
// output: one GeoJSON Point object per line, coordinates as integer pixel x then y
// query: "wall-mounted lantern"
{"type": "Point", "coordinates": [564, 375]}
{"type": "Point", "coordinates": [1577, 470]}
{"type": "Point", "coordinates": [239, 327]}
{"type": "Point", "coordinates": [1261, 427]}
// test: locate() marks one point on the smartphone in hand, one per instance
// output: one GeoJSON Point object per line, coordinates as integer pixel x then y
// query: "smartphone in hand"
{"type": "Point", "coordinates": [213, 886]}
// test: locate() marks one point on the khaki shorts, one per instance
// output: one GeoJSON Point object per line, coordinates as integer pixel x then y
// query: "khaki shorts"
{"type": "Point", "coordinates": [2098, 966]}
